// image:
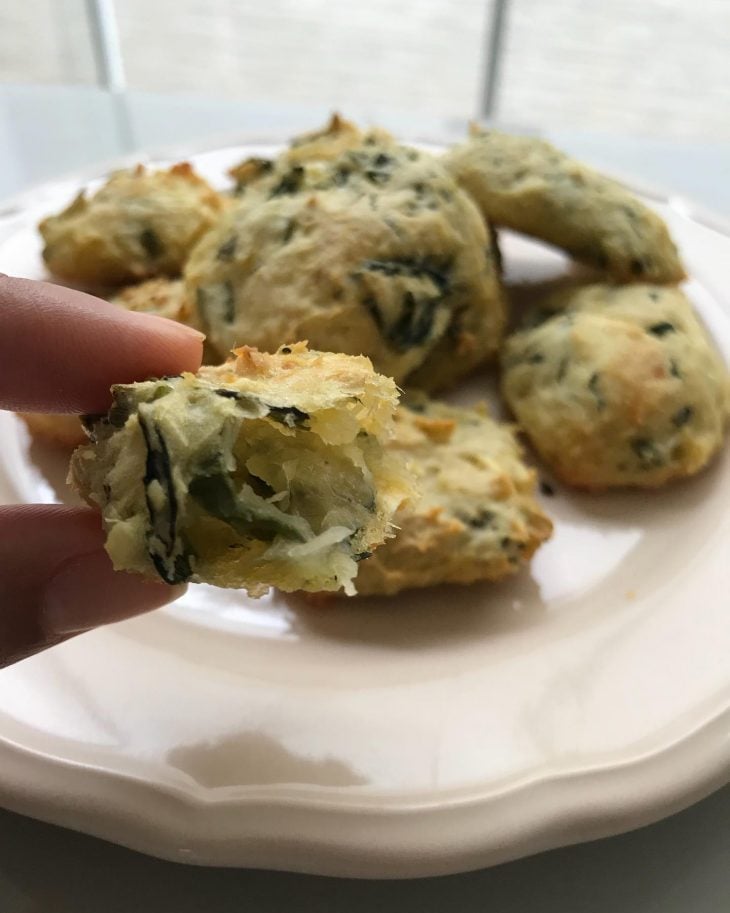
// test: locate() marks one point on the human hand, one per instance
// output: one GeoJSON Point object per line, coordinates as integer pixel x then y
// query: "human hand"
{"type": "Point", "coordinates": [60, 351]}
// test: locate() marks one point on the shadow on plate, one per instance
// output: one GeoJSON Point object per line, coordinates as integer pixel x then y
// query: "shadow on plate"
{"type": "Point", "coordinates": [523, 294]}
{"type": "Point", "coordinates": [651, 508]}
{"type": "Point", "coordinates": [436, 617]}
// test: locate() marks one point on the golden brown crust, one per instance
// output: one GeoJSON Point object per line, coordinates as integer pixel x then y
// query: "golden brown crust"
{"type": "Point", "coordinates": [162, 297]}
{"type": "Point", "coordinates": [316, 147]}
{"type": "Point", "coordinates": [329, 142]}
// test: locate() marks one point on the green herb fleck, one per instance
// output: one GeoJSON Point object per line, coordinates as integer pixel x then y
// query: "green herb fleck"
{"type": "Point", "coordinates": [341, 176]}
{"type": "Point", "coordinates": [151, 243]}
{"type": "Point", "coordinates": [647, 452]}
{"type": "Point", "coordinates": [414, 323]}
{"type": "Point", "coordinates": [377, 175]}
{"type": "Point", "coordinates": [661, 329]}
{"type": "Point", "coordinates": [595, 391]}
{"type": "Point", "coordinates": [481, 519]}
{"type": "Point", "coordinates": [227, 250]}
{"type": "Point", "coordinates": [121, 409]}
{"type": "Point", "coordinates": [246, 512]}
{"type": "Point", "coordinates": [289, 230]}
{"type": "Point", "coordinates": [682, 416]}
{"type": "Point", "coordinates": [405, 316]}
{"type": "Point", "coordinates": [289, 416]}
{"type": "Point", "coordinates": [291, 182]}
{"type": "Point", "coordinates": [165, 548]}
{"type": "Point", "coordinates": [424, 267]}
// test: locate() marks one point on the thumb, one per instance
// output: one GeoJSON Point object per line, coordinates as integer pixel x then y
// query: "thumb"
{"type": "Point", "coordinates": [56, 580]}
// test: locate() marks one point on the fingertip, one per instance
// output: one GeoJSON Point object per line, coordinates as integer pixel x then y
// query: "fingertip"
{"type": "Point", "coordinates": [86, 592]}
{"type": "Point", "coordinates": [176, 343]}
{"type": "Point", "coordinates": [163, 326]}
{"type": "Point", "coordinates": [62, 349]}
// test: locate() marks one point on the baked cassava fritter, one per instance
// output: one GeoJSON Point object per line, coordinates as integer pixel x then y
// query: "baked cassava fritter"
{"type": "Point", "coordinates": [376, 251]}
{"type": "Point", "coordinates": [475, 516]}
{"type": "Point", "coordinates": [526, 184]}
{"type": "Point", "coordinates": [139, 224]}
{"type": "Point", "coordinates": [268, 470]}
{"type": "Point", "coordinates": [617, 385]}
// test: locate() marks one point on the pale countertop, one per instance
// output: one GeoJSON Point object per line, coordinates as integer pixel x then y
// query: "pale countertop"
{"type": "Point", "coordinates": [679, 865]}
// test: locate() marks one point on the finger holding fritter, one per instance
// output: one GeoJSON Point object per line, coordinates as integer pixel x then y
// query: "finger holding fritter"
{"type": "Point", "coordinates": [268, 470]}
{"type": "Point", "coordinates": [61, 350]}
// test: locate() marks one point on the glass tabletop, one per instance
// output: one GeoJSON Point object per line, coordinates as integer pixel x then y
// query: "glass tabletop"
{"type": "Point", "coordinates": [46, 131]}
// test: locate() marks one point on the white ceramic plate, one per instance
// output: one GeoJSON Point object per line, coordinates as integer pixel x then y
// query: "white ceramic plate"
{"type": "Point", "coordinates": [431, 733]}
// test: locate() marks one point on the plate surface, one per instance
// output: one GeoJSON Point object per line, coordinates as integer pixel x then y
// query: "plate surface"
{"type": "Point", "coordinates": [431, 733]}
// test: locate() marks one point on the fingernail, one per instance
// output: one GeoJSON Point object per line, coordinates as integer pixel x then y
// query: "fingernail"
{"type": "Point", "coordinates": [169, 327]}
{"type": "Point", "coordinates": [86, 592]}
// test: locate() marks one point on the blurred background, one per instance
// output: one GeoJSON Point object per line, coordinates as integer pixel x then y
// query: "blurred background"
{"type": "Point", "coordinates": [656, 71]}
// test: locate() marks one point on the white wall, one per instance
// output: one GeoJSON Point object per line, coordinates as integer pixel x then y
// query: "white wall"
{"type": "Point", "coordinates": [656, 67]}
{"type": "Point", "coordinates": [45, 41]}
{"type": "Point", "coordinates": [651, 67]}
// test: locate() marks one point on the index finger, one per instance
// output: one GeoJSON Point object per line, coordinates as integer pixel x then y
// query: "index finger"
{"type": "Point", "coordinates": [61, 350]}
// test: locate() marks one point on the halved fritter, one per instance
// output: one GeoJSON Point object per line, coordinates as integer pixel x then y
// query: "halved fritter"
{"type": "Point", "coordinates": [266, 471]}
